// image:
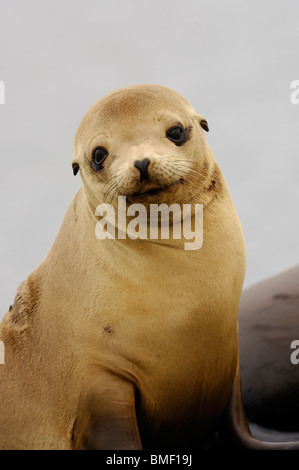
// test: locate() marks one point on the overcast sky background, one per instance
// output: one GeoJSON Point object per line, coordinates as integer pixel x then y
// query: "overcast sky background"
{"type": "Point", "coordinates": [234, 60]}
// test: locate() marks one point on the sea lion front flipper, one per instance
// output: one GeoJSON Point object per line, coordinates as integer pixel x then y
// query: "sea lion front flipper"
{"type": "Point", "coordinates": [106, 418]}
{"type": "Point", "coordinates": [234, 431]}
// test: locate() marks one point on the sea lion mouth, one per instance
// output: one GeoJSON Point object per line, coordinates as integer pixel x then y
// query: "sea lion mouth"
{"type": "Point", "coordinates": [153, 191]}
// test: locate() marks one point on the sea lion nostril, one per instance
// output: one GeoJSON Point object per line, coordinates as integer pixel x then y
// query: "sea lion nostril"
{"type": "Point", "coordinates": [142, 167]}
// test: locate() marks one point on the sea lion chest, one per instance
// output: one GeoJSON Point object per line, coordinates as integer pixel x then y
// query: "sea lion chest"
{"type": "Point", "coordinates": [152, 319]}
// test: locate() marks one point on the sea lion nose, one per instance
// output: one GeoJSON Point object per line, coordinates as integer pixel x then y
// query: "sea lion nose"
{"type": "Point", "coordinates": [142, 167]}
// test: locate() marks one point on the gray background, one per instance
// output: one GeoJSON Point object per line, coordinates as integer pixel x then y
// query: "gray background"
{"type": "Point", "coordinates": [234, 60]}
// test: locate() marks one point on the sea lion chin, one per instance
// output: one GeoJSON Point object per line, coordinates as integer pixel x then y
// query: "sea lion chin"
{"type": "Point", "coordinates": [154, 194]}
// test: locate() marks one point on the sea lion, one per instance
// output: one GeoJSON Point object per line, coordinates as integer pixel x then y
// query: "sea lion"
{"type": "Point", "coordinates": [128, 343]}
{"type": "Point", "coordinates": [268, 325]}
{"type": "Point", "coordinates": [262, 414]}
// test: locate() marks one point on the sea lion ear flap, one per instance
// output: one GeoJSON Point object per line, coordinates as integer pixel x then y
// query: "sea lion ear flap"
{"type": "Point", "coordinates": [203, 122]}
{"type": "Point", "coordinates": [75, 168]}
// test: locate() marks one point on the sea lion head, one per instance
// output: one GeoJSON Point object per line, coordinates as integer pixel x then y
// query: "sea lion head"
{"type": "Point", "coordinates": [144, 142]}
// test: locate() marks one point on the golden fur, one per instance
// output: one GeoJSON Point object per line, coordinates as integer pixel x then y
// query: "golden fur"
{"type": "Point", "coordinates": [104, 327]}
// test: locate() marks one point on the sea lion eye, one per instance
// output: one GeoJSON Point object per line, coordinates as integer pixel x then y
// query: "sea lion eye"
{"type": "Point", "coordinates": [99, 155]}
{"type": "Point", "coordinates": [177, 135]}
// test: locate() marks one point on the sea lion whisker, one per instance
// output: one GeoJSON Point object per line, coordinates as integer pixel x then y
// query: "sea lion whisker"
{"type": "Point", "coordinates": [114, 193]}
{"type": "Point", "coordinates": [191, 183]}
{"type": "Point", "coordinates": [115, 175]}
{"type": "Point", "coordinates": [111, 186]}
{"type": "Point", "coordinates": [177, 173]}
{"type": "Point", "coordinates": [171, 166]}
{"type": "Point", "coordinates": [191, 170]}
{"type": "Point", "coordinates": [178, 163]}
{"type": "Point", "coordinates": [181, 160]}
{"type": "Point", "coordinates": [110, 189]}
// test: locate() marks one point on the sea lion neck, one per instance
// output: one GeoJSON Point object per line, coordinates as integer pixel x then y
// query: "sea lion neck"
{"type": "Point", "coordinates": [175, 226]}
